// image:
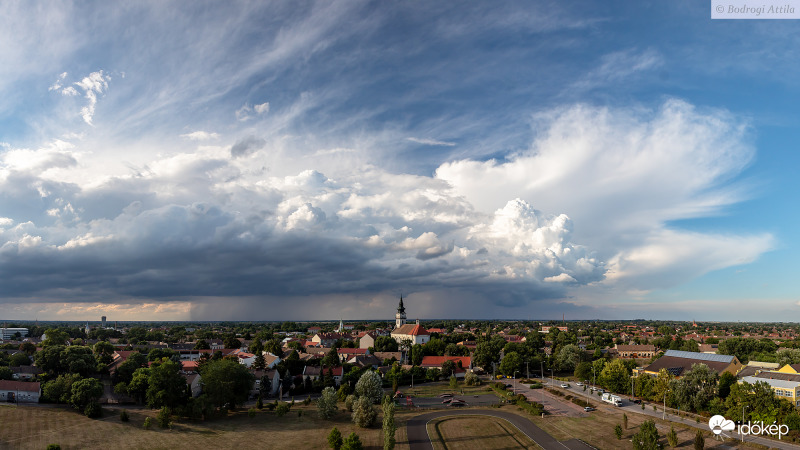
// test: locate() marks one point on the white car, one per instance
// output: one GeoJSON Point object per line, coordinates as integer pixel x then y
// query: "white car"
{"type": "Point", "coordinates": [564, 385]}
{"type": "Point", "coordinates": [578, 384]}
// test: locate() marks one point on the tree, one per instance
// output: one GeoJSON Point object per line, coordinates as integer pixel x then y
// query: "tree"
{"type": "Point", "coordinates": [327, 403]}
{"type": "Point", "coordinates": [55, 337]}
{"type": "Point", "coordinates": [661, 385]}
{"type": "Point", "coordinates": [364, 414]}
{"type": "Point", "coordinates": [265, 386]}
{"type": "Point", "coordinates": [389, 427]}
{"type": "Point", "coordinates": [124, 372]}
{"type": "Point", "coordinates": [568, 357]}
{"type": "Point", "coordinates": [672, 437]}
{"type": "Point", "coordinates": [353, 442]}
{"type": "Point", "coordinates": [19, 359]}
{"type": "Point", "coordinates": [470, 379]}
{"type": "Point", "coordinates": [699, 441]}
{"type": "Point", "coordinates": [164, 418]}
{"type": "Point", "coordinates": [273, 346]}
{"type": "Point", "coordinates": [696, 388]}
{"type": "Point", "coordinates": [369, 386]}
{"type": "Point", "coordinates": [726, 380]}
{"type": "Point", "coordinates": [202, 344]}
{"type": "Point", "coordinates": [140, 380]}
{"type": "Point", "coordinates": [226, 382]}
{"type": "Point", "coordinates": [232, 342]}
{"type": "Point", "coordinates": [616, 377]}
{"type": "Point", "coordinates": [625, 420]}
{"type": "Point", "coordinates": [385, 344]}
{"type": "Point", "coordinates": [6, 373]}
{"type": "Point", "coordinates": [448, 368]}
{"type": "Point", "coordinates": [60, 389]}
{"type": "Point", "coordinates": [335, 439]}
{"type": "Point", "coordinates": [84, 392]}
{"type": "Point", "coordinates": [618, 431]}
{"type": "Point", "coordinates": [260, 363]}
{"type": "Point", "coordinates": [104, 352]}
{"type": "Point", "coordinates": [583, 371]}
{"type": "Point", "coordinates": [417, 353]}
{"type": "Point", "coordinates": [512, 362]}
{"type": "Point", "coordinates": [165, 385]}
{"type": "Point", "coordinates": [647, 437]}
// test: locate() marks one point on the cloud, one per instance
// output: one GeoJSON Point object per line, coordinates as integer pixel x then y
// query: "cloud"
{"type": "Point", "coordinates": [431, 142]}
{"type": "Point", "coordinates": [200, 136]}
{"type": "Point", "coordinates": [262, 108]}
{"type": "Point", "coordinates": [244, 113]}
{"type": "Point", "coordinates": [92, 85]}
{"type": "Point", "coordinates": [618, 67]}
{"type": "Point", "coordinates": [623, 176]}
{"type": "Point", "coordinates": [247, 146]}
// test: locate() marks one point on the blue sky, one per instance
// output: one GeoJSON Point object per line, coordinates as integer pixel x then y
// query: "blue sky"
{"type": "Point", "coordinates": [313, 160]}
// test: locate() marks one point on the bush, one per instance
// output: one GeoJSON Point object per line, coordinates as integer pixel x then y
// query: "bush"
{"type": "Point", "coordinates": [282, 409]}
{"type": "Point", "coordinates": [53, 447]}
{"type": "Point", "coordinates": [470, 379]}
{"type": "Point", "coordinates": [93, 410]}
{"type": "Point", "coordinates": [163, 417]}
{"type": "Point", "coordinates": [123, 416]}
{"type": "Point", "coordinates": [251, 412]}
{"type": "Point", "coordinates": [699, 441]}
{"type": "Point", "coordinates": [335, 439]}
{"type": "Point", "coordinates": [349, 401]}
{"type": "Point", "coordinates": [259, 403]}
{"type": "Point", "coordinates": [353, 442]}
{"type": "Point", "coordinates": [453, 383]}
{"type": "Point", "coordinates": [327, 403]}
{"type": "Point", "coordinates": [618, 431]}
{"type": "Point", "coordinates": [672, 437]}
{"type": "Point", "coordinates": [147, 423]}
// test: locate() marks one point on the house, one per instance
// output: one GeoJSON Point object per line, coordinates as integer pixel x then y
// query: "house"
{"type": "Point", "coordinates": [20, 391]}
{"type": "Point", "coordinates": [365, 361]}
{"type": "Point", "coordinates": [708, 348]}
{"type": "Point", "coordinates": [463, 363]}
{"type": "Point", "coordinates": [313, 373]}
{"type": "Point", "coordinates": [415, 333]}
{"type": "Point", "coordinates": [328, 339]}
{"type": "Point", "coordinates": [397, 356]}
{"type": "Point", "coordinates": [367, 339]}
{"type": "Point", "coordinates": [193, 380]}
{"type": "Point", "coordinates": [679, 362]}
{"type": "Point", "coordinates": [244, 358]}
{"type": "Point", "coordinates": [189, 367]}
{"type": "Point", "coordinates": [635, 351]}
{"type": "Point", "coordinates": [25, 373]}
{"type": "Point", "coordinates": [785, 386]}
{"type": "Point", "coordinates": [275, 380]}
{"type": "Point", "coordinates": [547, 329]}
{"type": "Point", "coordinates": [314, 330]}
{"type": "Point", "coordinates": [347, 353]}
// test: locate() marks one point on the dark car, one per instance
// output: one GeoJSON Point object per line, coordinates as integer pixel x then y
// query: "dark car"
{"type": "Point", "coordinates": [509, 385]}
{"type": "Point", "coordinates": [458, 402]}
{"type": "Point", "coordinates": [637, 401]}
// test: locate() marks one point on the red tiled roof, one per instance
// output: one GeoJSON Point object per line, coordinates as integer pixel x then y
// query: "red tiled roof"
{"type": "Point", "coordinates": [437, 361]}
{"type": "Point", "coordinates": [22, 386]}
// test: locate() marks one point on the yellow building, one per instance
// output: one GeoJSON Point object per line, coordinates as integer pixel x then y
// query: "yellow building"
{"type": "Point", "coordinates": [783, 388]}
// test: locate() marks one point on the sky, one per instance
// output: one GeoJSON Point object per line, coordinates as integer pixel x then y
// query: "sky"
{"type": "Point", "coordinates": [306, 160]}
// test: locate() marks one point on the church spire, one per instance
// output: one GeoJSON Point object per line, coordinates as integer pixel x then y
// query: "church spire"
{"type": "Point", "coordinates": [401, 309]}
{"type": "Point", "coordinates": [400, 317]}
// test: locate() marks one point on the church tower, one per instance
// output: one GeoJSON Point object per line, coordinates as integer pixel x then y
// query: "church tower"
{"type": "Point", "coordinates": [400, 317]}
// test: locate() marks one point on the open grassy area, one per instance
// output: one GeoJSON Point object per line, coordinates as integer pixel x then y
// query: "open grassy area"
{"type": "Point", "coordinates": [478, 433]}
{"type": "Point", "coordinates": [441, 387]}
{"type": "Point", "coordinates": [36, 427]}
{"type": "Point", "coordinates": [598, 430]}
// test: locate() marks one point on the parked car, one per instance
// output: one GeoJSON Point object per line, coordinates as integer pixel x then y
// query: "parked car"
{"type": "Point", "coordinates": [578, 384]}
{"type": "Point", "coordinates": [445, 395]}
{"type": "Point", "coordinates": [458, 402]}
{"type": "Point", "coordinates": [564, 385]}
{"type": "Point", "coordinates": [509, 386]}
{"type": "Point", "coordinates": [447, 400]}
{"type": "Point", "coordinates": [588, 409]}
{"type": "Point", "coordinates": [637, 401]}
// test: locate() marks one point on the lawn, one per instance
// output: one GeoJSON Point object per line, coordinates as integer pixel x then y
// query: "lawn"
{"type": "Point", "coordinates": [441, 387]}
{"type": "Point", "coordinates": [36, 427]}
{"type": "Point", "coordinates": [478, 433]}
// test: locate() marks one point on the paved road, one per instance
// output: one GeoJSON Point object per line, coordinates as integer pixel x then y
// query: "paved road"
{"type": "Point", "coordinates": [418, 438]}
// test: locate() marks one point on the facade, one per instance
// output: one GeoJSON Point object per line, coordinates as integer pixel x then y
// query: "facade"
{"type": "Point", "coordinates": [415, 333]}
{"type": "Point", "coordinates": [785, 389]}
{"type": "Point", "coordinates": [9, 333]}
{"type": "Point", "coordinates": [635, 351]}
{"type": "Point", "coordinates": [367, 340]}
{"type": "Point", "coordinates": [400, 317]}
{"type": "Point", "coordinates": [679, 362]}
{"type": "Point", "coordinates": [19, 391]}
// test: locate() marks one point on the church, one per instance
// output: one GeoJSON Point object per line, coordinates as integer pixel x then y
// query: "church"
{"type": "Point", "coordinates": [415, 333]}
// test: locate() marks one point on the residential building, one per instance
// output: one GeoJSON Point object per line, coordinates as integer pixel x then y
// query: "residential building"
{"type": "Point", "coordinates": [20, 391]}
{"type": "Point", "coordinates": [10, 333]}
{"type": "Point", "coordinates": [679, 362]}
{"type": "Point", "coordinates": [635, 351]}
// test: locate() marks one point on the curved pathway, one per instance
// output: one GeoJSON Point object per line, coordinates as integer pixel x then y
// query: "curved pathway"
{"type": "Point", "coordinates": [418, 438]}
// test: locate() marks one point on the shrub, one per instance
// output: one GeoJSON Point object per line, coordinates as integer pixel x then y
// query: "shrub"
{"type": "Point", "coordinates": [163, 417]}
{"type": "Point", "coordinates": [327, 403]}
{"type": "Point", "coordinates": [624, 421]}
{"type": "Point", "coordinates": [370, 386]}
{"type": "Point", "coordinates": [335, 439]}
{"type": "Point", "coordinates": [672, 437]}
{"type": "Point", "coordinates": [470, 379]}
{"type": "Point", "coordinates": [251, 412]}
{"type": "Point", "coordinates": [699, 441]}
{"type": "Point", "coordinates": [453, 383]}
{"type": "Point", "coordinates": [282, 409]}
{"type": "Point", "coordinates": [53, 447]}
{"type": "Point", "coordinates": [618, 431]}
{"type": "Point", "coordinates": [349, 401]}
{"type": "Point", "coordinates": [147, 423]}
{"type": "Point", "coordinates": [123, 416]}
{"type": "Point", "coordinates": [353, 442]}
{"type": "Point", "coordinates": [259, 403]}
{"type": "Point", "coordinates": [93, 410]}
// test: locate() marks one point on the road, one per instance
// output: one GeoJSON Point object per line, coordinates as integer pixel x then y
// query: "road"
{"type": "Point", "coordinates": [632, 408]}
{"type": "Point", "coordinates": [418, 438]}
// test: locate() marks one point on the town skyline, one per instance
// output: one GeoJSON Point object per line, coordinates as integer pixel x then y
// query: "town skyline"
{"type": "Point", "coordinates": [270, 161]}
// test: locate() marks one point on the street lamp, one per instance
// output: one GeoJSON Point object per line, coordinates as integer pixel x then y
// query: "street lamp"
{"type": "Point", "coordinates": [664, 416]}
{"type": "Point", "coordinates": [740, 429]}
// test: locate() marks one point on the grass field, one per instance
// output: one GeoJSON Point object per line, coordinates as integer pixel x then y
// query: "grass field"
{"type": "Point", "coordinates": [36, 427]}
{"type": "Point", "coordinates": [476, 433]}
{"type": "Point", "coordinates": [434, 389]}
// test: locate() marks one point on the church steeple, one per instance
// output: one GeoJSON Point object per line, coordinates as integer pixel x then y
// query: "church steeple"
{"type": "Point", "coordinates": [400, 317]}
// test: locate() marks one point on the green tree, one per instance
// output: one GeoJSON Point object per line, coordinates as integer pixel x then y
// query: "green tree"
{"type": "Point", "coordinates": [104, 352]}
{"type": "Point", "coordinates": [364, 414]}
{"type": "Point", "coordinates": [448, 368]}
{"type": "Point", "coordinates": [265, 386]}
{"type": "Point", "coordinates": [28, 347]}
{"type": "Point", "coordinates": [389, 427]}
{"type": "Point", "coordinates": [353, 442]}
{"type": "Point", "coordinates": [647, 437]}
{"type": "Point", "coordinates": [166, 386]}
{"type": "Point", "coordinates": [511, 363]}
{"type": "Point", "coordinates": [327, 403]}
{"type": "Point", "coordinates": [202, 344]}
{"type": "Point", "coordinates": [140, 381]}
{"type": "Point", "coordinates": [59, 390]}
{"type": "Point", "coordinates": [568, 357]}
{"type": "Point", "coordinates": [226, 381]}
{"type": "Point", "coordinates": [124, 372]}
{"type": "Point", "coordinates": [470, 379]}
{"type": "Point", "coordinates": [618, 431]}
{"type": "Point", "coordinates": [55, 337]}
{"type": "Point", "coordinates": [385, 344]}
{"type": "Point", "coordinates": [6, 373]}
{"type": "Point", "coordinates": [699, 441]}
{"type": "Point", "coordinates": [164, 418]}
{"type": "Point", "coordinates": [19, 359]}
{"type": "Point", "coordinates": [726, 380]}
{"type": "Point", "coordinates": [335, 439]}
{"type": "Point", "coordinates": [616, 376]}
{"type": "Point", "coordinates": [84, 392]}
{"type": "Point", "coordinates": [672, 437]}
{"type": "Point", "coordinates": [696, 388]}
{"type": "Point", "coordinates": [583, 371]}
{"type": "Point", "coordinates": [625, 420]}
{"type": "Point", "coordinates": [369, 386]}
